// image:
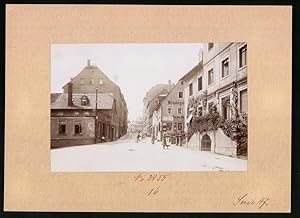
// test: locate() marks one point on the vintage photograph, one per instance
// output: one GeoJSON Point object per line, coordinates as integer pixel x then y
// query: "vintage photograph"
{"type": "Point", "coordinates": [148, 107]}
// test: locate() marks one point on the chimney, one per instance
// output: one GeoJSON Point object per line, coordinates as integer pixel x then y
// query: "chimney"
{"type": "Point", "coordinates": [70, 94]}
{"type": "Point", "coordinates": [88, 62]}
{"type": "Point", "coordinates": [169, 87]}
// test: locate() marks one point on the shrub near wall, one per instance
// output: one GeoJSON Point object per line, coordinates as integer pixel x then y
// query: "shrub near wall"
{"type": "Point", "coordinates": [236, 128]}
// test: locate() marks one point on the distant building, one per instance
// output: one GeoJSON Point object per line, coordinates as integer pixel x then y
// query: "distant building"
{"type": "Point", "coordinates": [77, 118]}
{"type": "Point", "coordinates": [168, 116]}
{"type": "Point", "coordinates": [150, 102]}
{"type": "Point", "coordinates": [136, 126]}
{"type": "Point", "coordinates": [222, 70]}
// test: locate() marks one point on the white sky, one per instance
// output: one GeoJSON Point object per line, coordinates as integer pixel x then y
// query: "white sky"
{"type": "Point", "coordinates": [135, 68]}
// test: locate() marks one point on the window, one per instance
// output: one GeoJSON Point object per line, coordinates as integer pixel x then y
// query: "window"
{"type": "Point", "coordinates": [84, 100]}
{"type": "Point", "coordinates": [62, 127]}
{"type": "Point", "coordinates": [100, 81]}
{"type": "Point", "coordinates": [243, 101]}
{"type": "Point", "coordinates": [174, 126]}
{"type": "Point", "coordinates": [169, 110]}
{"type": "Point", "coordinates": [210, 76]}
{"type": "Point", "coordinates": [179, 126]}
{"type": "Point", "coordinates": [180, 95]}
{"type": "Point", "coordinates": [81, 81]}
{"type": "Point", "coordinates": [200, 110]}
{"type": "Point", "coordinates": [169, 126]}
{"type": "Point", "coordinates": [181, 83]}
{"type": "Point", "coordinates": [225, 107]}
{"type": "Point", "coordinates": [243, 56]}
{"type": "Point", "coordinates": [91, 81]}
{"type": "Point", "coordinates": [191, 89]}
{"type": "Point", "coordinates": [210, 105]}
{"type": "Point", "coordinates": [180, 110]}
{"type": "Point", "coordinates": [77, 127]}
{"type": "Point", "coordinates": [225, 67]}
{"type": "Point", "coordinates": [210, 46]}
{"type": "Point", "coordinates": [200, 83]}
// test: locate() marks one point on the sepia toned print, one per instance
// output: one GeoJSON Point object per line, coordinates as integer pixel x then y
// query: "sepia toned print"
{"type": "Point", "coordinates": [195, 122]}
{"type": "Point", "coordinates": [31, 182]}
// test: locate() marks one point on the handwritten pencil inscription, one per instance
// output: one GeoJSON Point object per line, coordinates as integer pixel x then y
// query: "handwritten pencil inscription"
{"type": "Point", "coordinates": [246, 200]}
{"type": "Point", "coordinates": [155, 180]}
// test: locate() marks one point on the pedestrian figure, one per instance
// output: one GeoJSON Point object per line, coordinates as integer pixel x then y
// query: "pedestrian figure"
{"type": "Point", "coordinates": [103, 139]}
{"type": "Point", "coordinates": [168, 142]}
{"type": "Point", "coordinates": [152, 139]}
{"type": "Point", "coordinates": [164, 142]}
{"type": "Point", "coordinates": [138, 137]}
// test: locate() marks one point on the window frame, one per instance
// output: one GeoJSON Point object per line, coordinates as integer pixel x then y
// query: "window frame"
{"type": "Point", "coordinates": [169, 107]}
{"type": "Point", "coordinates": [221, 106]}
{"type": "Point", "coordinates": [211, 69]}
{"type": "Point", "coordinates": [208, 46]}
{"type": "Point", "coordinates": [59, 124]}
{"type": "Point", "coordinates": [221, 67]}
{"type": "Point", "coordinates": [180, 108]}
{"type": "Point", "coordinates": [169, 125]}
{"type": "Point", "coordinates": [82, 81]}
{"type": "Point", "coordinates": [191, 92]}
{"type": "Point", "coordinates": [238, 56]}
{"type": "Point", "coordinates": [179, 125]}
{"type": "Point", "coordinates": [74, 127]}
{"type": "Point", "coordinates": [239, 102]}
{"type": "Point", "coordinates": [201, 83]}
{"type": "Point", "coordinates": [91, 81]}
{"type": "Point", "coordinates": [179, 94]}
{"type": "Point", "coordinates": [100, 81]}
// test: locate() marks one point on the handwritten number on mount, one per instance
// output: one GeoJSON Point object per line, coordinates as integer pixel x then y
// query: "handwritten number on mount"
{"type": "Point", "coordinates": [152, 191]}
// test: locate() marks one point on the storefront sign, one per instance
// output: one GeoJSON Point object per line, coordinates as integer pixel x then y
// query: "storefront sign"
{"type": "Point", "coordinates": [167, 118]}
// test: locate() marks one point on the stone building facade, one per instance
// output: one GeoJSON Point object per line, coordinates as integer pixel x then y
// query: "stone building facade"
{"type": "Point", "coordinates": [221, 72]}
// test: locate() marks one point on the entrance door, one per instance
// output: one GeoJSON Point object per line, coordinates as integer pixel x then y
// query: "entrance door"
{"type": "Point", "coordinates": [205, 143]}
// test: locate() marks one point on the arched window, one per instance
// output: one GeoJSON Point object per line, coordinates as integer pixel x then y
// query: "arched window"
{"type": "Point", "coordinates": [205, 143]}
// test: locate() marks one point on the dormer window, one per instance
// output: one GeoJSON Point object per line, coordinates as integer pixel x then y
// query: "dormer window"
{"type": "Point", "coordinates": [84, 100]}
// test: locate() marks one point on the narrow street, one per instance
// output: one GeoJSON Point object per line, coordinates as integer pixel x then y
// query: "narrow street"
{"type": "Point", "coordinates": [127, 155]}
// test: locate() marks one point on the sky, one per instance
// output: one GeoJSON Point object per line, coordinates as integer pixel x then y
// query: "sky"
{"type": "Point", "coordinates": [135, 68]}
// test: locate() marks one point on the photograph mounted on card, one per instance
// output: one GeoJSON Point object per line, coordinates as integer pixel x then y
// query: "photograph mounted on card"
{"type": "Point", "coordinates": [145, 116]}
{"type": "Point", "coordinates": [124, 108]}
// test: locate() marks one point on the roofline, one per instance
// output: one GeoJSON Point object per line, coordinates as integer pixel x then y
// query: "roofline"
{"type": "Point", "coordinates": [192, 71]}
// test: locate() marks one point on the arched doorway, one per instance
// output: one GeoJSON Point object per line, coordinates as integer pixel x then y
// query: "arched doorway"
{"type": "Point", "coordinates": [205, 143]}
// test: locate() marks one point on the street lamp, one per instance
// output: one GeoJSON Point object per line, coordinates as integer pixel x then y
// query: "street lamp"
{"type": "Point", "coordinates": [96, 116]}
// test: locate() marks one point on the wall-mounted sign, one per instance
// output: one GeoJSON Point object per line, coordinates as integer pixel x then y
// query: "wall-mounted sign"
{"type": "Point", "coordinates": [167, 118]}
{"type": "Point", "coordinates": [176, 102]}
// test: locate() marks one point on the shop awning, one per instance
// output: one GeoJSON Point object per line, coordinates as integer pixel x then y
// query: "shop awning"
{"type": "Point", "coordinates": [189, 118]}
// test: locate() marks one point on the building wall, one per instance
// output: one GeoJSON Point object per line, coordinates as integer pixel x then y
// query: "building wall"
{"type": "Point", "coordinates": [104, 85]}
{"type": "Point", "coordinates": [174, 102]}
{"type": "Point", "coordinates": [104, 127]}
{"type": "Point", "coordinates": [70, 138]}
{"type": "Point", "coordinates": [221, 87]}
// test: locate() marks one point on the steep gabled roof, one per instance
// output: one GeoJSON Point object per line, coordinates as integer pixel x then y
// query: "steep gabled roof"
{"type": "Point", "coordinates": [155, 90]}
